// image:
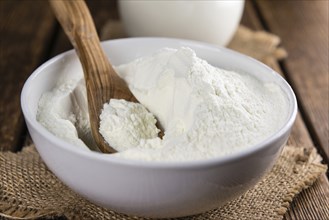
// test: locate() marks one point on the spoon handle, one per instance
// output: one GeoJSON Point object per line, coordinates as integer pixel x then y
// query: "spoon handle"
{"type": "Point", "coordinates": [102, 82]}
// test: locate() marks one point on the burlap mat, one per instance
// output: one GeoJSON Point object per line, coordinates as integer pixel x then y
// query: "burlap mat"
{"type": "Point", "coordinates": [29, 190]}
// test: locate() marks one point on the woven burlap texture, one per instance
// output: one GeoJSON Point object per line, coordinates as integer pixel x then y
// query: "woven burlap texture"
{"type": "Point", "coordinates": [29, 190]}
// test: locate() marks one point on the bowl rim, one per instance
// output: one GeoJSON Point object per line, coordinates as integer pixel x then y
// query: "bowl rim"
{"type": "Point", "coordinates": [107, 158]}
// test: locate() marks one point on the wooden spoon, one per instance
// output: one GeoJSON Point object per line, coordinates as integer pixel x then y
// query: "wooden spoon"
{"type": "Point", "coordinates": [102, 82]}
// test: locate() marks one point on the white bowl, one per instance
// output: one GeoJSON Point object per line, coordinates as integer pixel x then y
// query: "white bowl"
{"type": "Point", "coordinates": [153, 189]}
{"type": "Point", "coordinates": [208, 21]}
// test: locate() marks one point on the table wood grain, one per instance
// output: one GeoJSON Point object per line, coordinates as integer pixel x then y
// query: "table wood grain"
{"type": "Point", "coordinates": [305, 36]}
{"type": "Point", "coordinates": [30, 35]}
{"type": "Point", "coordinates": [26, 30]}
{"type": "Point", "coordinates": [302, 207]}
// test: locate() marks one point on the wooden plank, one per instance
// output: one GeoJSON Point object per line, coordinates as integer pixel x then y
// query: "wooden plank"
{"type": "Point", "coordinates": [305, 36]}
{"type": "Point", "coordinates": [299, 135]}
{"type": "Point", "coordinates": [22, 48]}
{"type": "Point", "coordinates": [306, 204]}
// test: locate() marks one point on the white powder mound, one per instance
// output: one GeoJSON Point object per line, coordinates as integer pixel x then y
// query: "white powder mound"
{"type": "Point", "coordinates": [64, 112]}
{"type": "Point", "coordinates": [205, 111]}
{"type": "Point", "coordinates": [123, 124]}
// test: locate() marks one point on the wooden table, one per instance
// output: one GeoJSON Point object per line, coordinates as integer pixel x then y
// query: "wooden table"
{"type": "Point", "coordinates": [30, 35]}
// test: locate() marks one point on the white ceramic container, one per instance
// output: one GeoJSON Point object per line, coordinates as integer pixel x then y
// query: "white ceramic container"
{"type": "Point", "coordinates": [208, 21]}
{"type": "Point", "coordinates": [153, 189]}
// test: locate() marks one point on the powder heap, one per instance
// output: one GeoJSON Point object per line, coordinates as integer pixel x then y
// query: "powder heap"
{"type": "Point", "coordinates": [205, 111]}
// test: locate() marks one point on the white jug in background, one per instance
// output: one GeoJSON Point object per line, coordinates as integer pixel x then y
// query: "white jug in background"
{"type": "Point", "coordinates": [209, 21]}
